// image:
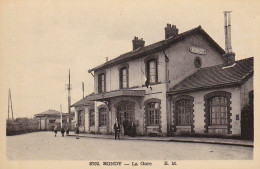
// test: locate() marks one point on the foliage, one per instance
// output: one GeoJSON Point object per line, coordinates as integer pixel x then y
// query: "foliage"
{"type": "Point", "coordinates": [21, 126]}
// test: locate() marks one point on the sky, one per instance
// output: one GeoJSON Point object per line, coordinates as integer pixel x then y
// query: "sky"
{"type": "Point", "coordinates": [41, 40]}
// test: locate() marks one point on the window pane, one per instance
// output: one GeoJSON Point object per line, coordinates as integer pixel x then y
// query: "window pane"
{"type": "Point", "coordinates": [152, 79]}
{"type": "Point", "coordinates": [102, 116]}
{"type": "Point", "coordinates": [218, 110]}
{"type": "Point", "coordinates": [124, 72]}
{"type": "Point", "coordinates": [156, 105]}
{"type": "Point", "coordinates": [152, 64]}
{"type": "Point", "coordinates": [183, 112]}
{"type": "Point", "coordinates": [124, 85]}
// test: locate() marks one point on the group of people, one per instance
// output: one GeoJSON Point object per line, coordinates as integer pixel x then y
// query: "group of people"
{"type": "Point", "coordinates": [128, 126]}
{"type": "Point", "coordinates": [62, 130]}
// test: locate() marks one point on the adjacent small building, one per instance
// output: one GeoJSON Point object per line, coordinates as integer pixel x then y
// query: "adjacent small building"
{"type": "Point", "coordinates": [48, 119]}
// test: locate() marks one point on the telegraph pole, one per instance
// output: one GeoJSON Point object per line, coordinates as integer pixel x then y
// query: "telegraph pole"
{"type": "Point", "coordinates": [10, 104]}
{"type": "Point", "coordinates": [83, 89]}
{"type": "Point", "coordinates": [69, 100]}
{"type": "Point", "coordinates": [61, 116]}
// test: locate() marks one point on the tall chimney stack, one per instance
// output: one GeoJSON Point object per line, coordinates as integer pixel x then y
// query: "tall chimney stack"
{"type": "Point", "coordinates": [170, 31]}
{"type": "Point", "coordinates": [138, 43]}
{"type": "Point", "coordinates": [229, 56]}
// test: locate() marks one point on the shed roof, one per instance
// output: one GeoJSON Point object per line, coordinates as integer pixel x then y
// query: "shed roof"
{"type": "Point", "coordinates": [84, 102]}
{"type": "Point", "coordinates": [50, 112]}
{"type": "Point", "coordinates": [216, 76]}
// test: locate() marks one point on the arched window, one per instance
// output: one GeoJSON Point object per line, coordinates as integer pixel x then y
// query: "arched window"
{"type": "Point", "coordinates": [152, 109]}
{"type": "Point", "coordinates": [91, 117]}
{"type": "Point", "coordinates": [103, 117]}
{"type": "Point", "coordinates": [125, 109]}
{"type": "Point", "coordinates": [183, 112]}
{"type": "Point", "coordinates": [81, 118]}
{"type": "Point", "coordinates": [218, 110]}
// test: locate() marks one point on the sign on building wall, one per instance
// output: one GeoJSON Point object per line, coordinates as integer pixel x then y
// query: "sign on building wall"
{"type": "Point", "coordinates": [197, 50]}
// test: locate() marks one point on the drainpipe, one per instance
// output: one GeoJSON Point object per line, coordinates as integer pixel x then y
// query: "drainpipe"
{"type": "Point", "coordinates": [167, 88]}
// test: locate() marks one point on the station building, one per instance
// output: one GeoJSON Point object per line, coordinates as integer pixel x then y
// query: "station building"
{"type": "Point", "coordinates": [185, 83]}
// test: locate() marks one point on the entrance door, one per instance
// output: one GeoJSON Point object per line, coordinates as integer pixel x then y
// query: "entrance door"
{"type": "Point", "coordinates": [125, 109]}
{"type": "Point", "coordinates": [247, 119]}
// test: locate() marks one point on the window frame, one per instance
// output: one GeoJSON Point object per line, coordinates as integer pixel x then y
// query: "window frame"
{"type": "Point", "coordinates": [154, 112]}
{"type": "Point", "coordinates": [173, 116]}
{"type": "Point", "coordinates": [120, 70]}
{"type": "Point", "coordinates": [147, 61]}
{"type": "Point", "coordinates": [218, 115]}
{"type": "Point", "coordinates": [104, 116]}
{"type": "Point", "coordinates": [207, 97]}
{"type": "Point", "coordinates": [179, 122]}
{"type": "Point", "coordinates": [148, 67]}
{"type": "Point", "coordinates": [91, 117]}
{"type": "Point", "coordinates": [101, 86]}
{"type": "Point", "coordinates": [81, 117]}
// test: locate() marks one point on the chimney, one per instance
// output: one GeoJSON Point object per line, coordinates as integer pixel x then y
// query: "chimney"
{"type": "Point", "coordinates": [229, 56]}
{"type": "Point", "coordinates": [137, 43]}
{"type": "Point", "coordinates": [171, 31]}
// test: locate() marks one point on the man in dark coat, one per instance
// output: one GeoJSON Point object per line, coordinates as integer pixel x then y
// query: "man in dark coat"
{"type": "Point", "coordinates": [117, 130]}
{"type": "Point", "coordinates": [132, 129]}
{"type": "Point", "coordinates": [62, 131]}
{"type": "Point", "coordinates": [77, 131]}
{"type": "Point", "coordinates": [67, 131]}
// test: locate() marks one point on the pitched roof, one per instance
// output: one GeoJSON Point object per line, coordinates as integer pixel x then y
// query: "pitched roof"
{"type": "Point", "coordinates": [50, 112]}
{"type": "Point", "coordinates": [216, 76]}
{"type": "Point", "coordinates": [83, 102]}
{"type": "Point", "coordinates": [157, 47]}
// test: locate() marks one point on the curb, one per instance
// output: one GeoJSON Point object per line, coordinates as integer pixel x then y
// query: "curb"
{"type": "Point", "coordinates": [176, 140]}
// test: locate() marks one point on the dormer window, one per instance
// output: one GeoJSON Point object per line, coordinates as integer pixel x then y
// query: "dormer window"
{"type": "Point", "coordinates": [123, 74]}
{"type": "Point", "coordinates": [101, 83]}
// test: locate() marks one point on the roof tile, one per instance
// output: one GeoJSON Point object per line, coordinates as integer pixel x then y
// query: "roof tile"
{"type": "Point", "coordinates": [216, 76]}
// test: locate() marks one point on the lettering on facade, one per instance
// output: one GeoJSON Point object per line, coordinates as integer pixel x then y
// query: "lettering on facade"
{"type": "Point", "coordinates": [197, 50]}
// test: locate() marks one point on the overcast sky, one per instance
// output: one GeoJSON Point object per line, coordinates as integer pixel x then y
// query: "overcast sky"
{"type": "Point", "coordinates": [41, 40]}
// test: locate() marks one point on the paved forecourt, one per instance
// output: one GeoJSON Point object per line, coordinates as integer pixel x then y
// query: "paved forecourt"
{"type": "Point", "coordinates": [44, 146]}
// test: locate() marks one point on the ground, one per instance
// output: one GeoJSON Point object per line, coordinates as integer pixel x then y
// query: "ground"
{"type": "Point", "coordinates": [44, 146]}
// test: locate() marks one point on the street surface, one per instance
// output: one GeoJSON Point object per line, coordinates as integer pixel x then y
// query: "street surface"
{"type": "Point", "coordinates": [44, 146]}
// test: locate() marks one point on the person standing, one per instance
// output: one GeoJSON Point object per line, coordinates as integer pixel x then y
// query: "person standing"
{"type": "Point", "coordinates": [117, 130]}
{"type": "Point", "coordinates": [62, 131]}
{"type": "Point", "coordinates": [77, 131]}
{"type": "Point", "coordinates": [55, 130]}
{"type": "Point", "coordinates": [126, 125]}
{"type": "Point", "coordinates": [132, 129]}
{"type": "Point", "coordinates": [67, 131]}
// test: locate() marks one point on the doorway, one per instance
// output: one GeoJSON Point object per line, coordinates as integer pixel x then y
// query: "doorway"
{"type": "Point", "coordinates": [125, 109]}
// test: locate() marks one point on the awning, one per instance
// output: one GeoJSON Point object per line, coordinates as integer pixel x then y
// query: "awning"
{"type": "Point", "coordinates": [117, 93]}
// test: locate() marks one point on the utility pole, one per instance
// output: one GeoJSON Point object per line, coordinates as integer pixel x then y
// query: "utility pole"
{"type": "Point", "coordinates": [83, 89]}
{"type": "Point", "coordinates": [10, 104]}
{"type": "Point", "coordinates": [69, 100]}
{"type": "Point", "coordinates": [60, 115]}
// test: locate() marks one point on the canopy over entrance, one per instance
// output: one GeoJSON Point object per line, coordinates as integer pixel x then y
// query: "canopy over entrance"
{"type": "Point", "coordinates": [117, 93]}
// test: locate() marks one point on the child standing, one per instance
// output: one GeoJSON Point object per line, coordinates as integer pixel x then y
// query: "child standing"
{"type": "Point", "coordinates": [55, 130]}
